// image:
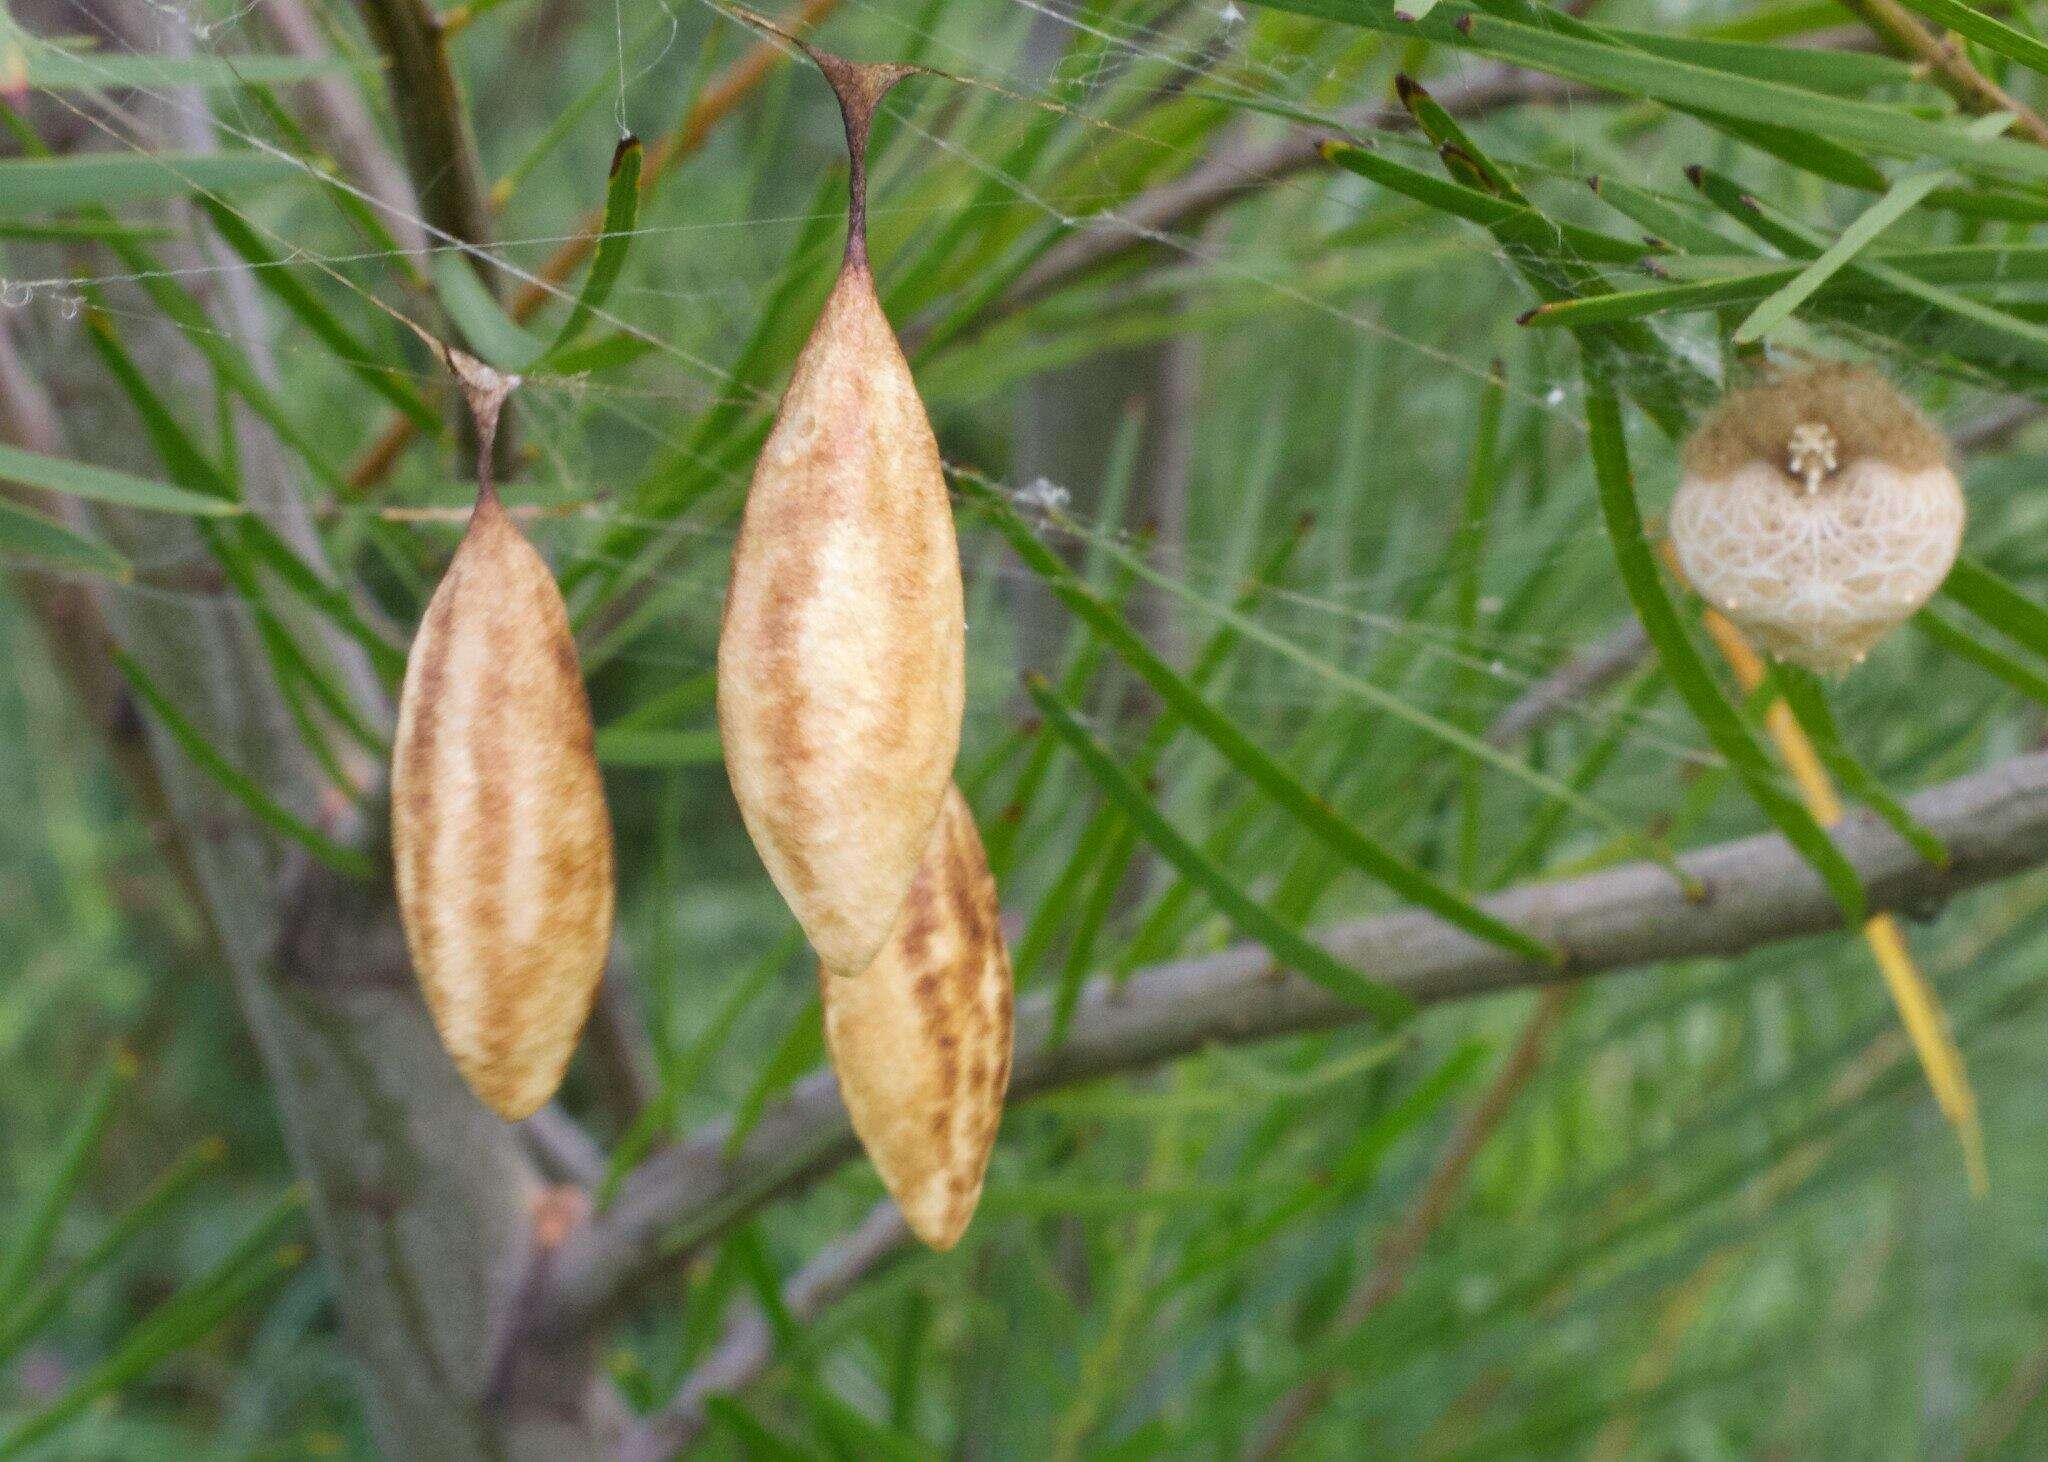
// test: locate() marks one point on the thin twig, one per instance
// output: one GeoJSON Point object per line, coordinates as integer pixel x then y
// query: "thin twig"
{"type": "Point", "coordinates": [1758, 892]}
{"type": "Point", "coordinates": [1609, 658]}
{"type": "Point", "coordinates": [621, 1047]}
{"type": "Point", "coordinates": [1948, 65]}
{"type": "Point", "coordinates": [747, 1349]}
{"type": "Point", "coordinates": [561, 1148]}
{"type": "Point", "coordinates": [1242, 168]}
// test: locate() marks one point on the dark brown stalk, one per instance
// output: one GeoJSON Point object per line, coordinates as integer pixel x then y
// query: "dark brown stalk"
{"type": "Point", "coordinates": [860, 89]}
{"type": "Point", "coordinates": [486, 391]}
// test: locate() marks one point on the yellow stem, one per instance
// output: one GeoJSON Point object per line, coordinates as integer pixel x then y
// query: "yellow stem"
{"type": "Point", "coordinates": [1919, 1009]}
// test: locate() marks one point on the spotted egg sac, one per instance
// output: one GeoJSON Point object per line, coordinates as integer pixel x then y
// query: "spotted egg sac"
{"type": "Point", "coordinates": [1817, 511]}
{"type": "Point", "coordinates": [501, 840]}
{"type": "Point", "coordinates": [841, 660]}
{"type": "Point", "coordinates": [921, 1040]}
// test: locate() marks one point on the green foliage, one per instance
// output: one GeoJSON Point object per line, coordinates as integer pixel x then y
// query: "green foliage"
{"type": "Point", "coordinates": [1333, 473]}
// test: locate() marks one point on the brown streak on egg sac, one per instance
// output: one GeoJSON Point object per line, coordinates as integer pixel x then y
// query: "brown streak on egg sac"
{"type": "Point", "coordinates": [500, 836]}
{"type": "Point", "coordinates": [841, 661]}
{"type": "Point", "coordinates": [903, 1033]}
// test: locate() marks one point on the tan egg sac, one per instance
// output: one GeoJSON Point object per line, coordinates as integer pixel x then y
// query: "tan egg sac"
{"type": "Point", "coordinates": [921, 1041]}
{"type": "Point", "coordinates": [1818, 512]}
{"type": "Point", "coordinates": [499, 830]}
{"type": "Point", "coordinates": [841, 661]}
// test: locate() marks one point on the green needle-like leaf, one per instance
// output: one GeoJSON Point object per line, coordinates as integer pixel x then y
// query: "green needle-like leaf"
{"type": "Point", "coordinates": [103, 179]}
{"type": "Point", "coordinates": [621, 209]}
{"type": "Point", "coordinates": [106, 485]}
{"type": "Point", "coordinates": [1287, 947]}
{"type": "Point", "coordinates": [45, 542]}
{"type": "Point", "coordinates": [238, 783]}
{"type": "Point", "coordinates": [1316, 817]}
{"type": "Point", "coordinates": [35, 1226]}
{"type": "Point", "coordinates": [1682, 661]}
{"type": "Point", "coordinates": [486, 328]}
{"type": "Point", "coordinates": [1998, 604]}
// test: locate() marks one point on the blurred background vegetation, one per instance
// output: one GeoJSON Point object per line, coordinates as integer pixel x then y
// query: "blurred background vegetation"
{"type": "Point", "coordinates": [1299, 440]}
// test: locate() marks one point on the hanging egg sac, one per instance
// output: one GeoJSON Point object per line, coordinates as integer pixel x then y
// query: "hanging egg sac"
{"type": "Point", "coordinates": [841, 659]}
{"type": "Point", "coordinates": [500, 836]}
{"type": "Point", "coordinates": [921, 1041]}
{"type": "Point", "coordinates": [1818, 511]}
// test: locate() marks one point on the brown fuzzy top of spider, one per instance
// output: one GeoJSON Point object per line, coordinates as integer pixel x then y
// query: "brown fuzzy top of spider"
{"type": "Point", "coordinates": [1790, 419]}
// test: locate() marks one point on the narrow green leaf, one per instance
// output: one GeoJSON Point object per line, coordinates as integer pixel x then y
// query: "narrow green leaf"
{"type": "Point", "coordinates": [1993, 35]}
{"type": "Point", "coordinates": [1464, 558]}
{"type": "Point", "coordinates": [605, 353]}
{"type": "Point", "coordinates": [2025, 679]}
{"type": "Point", "coordinates": [1803, 150]}
{"type": "Point", "coordinates": [327, 597]}
{"type": "Point", "coordinates": [1663, 218]}
{"type": "Point", "coordinates": [621, 209]}
{"type": "Point", "coordinates": [1540, 831]}
{"type": "Point", "coordinates": [754, 1437]}
{"type": "Point", "coordinates": [802, 1047]}
{"type": "Point", "coordinates": [683, 698]}
{"type": "Point", "coordinates": [1847, 73]}
{"type": "Point", "coordinates": [28, 1319]}
{"type": "Point", "coordinates": [1998, 603]}
{"type": "Point", "coordinates": [1321, 821]}
{"type": "Point", "coordinates": [563, 123]}
{"type": "Point", "coordinates": [1867, 225]}
{"type": "Point", "coordinates": [105, 484]}
{"type": "Point", "coordinates": [626, 746]}
{"type": "Point", "coordinates": [293, 664]}
{"type": "Point", "coordinates": [26, 534]}
{"type": "Point", "coordinates": [52, 69]}
{"type": "Point", "coordinates": [46, 184]}
{"type": "Point", "coordinates": [270, 271]}
{"type": "Point", "coordinates": [30, 1236]}
{"type": "Point", "coordinates": [1478, 207]}
{"type": "Point", "coordinates": [1287, 947]}
{"type": "Point", "coordinates": [759, 1272]}
{"type": "Point", "coordinates": [237, 783]}
{"type": "Point", "coordinates": [183, 1320]}
{"type": "Point", "coordinates": [1682, 662]}
{"type": "Point", "coordinates": [485, 326]}
{"type": "Point", "coordinates": [65, 230]}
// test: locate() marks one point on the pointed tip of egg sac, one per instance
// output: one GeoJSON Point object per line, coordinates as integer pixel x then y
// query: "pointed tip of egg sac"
{"type": "Point", "coordinates": [921, 1039]}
